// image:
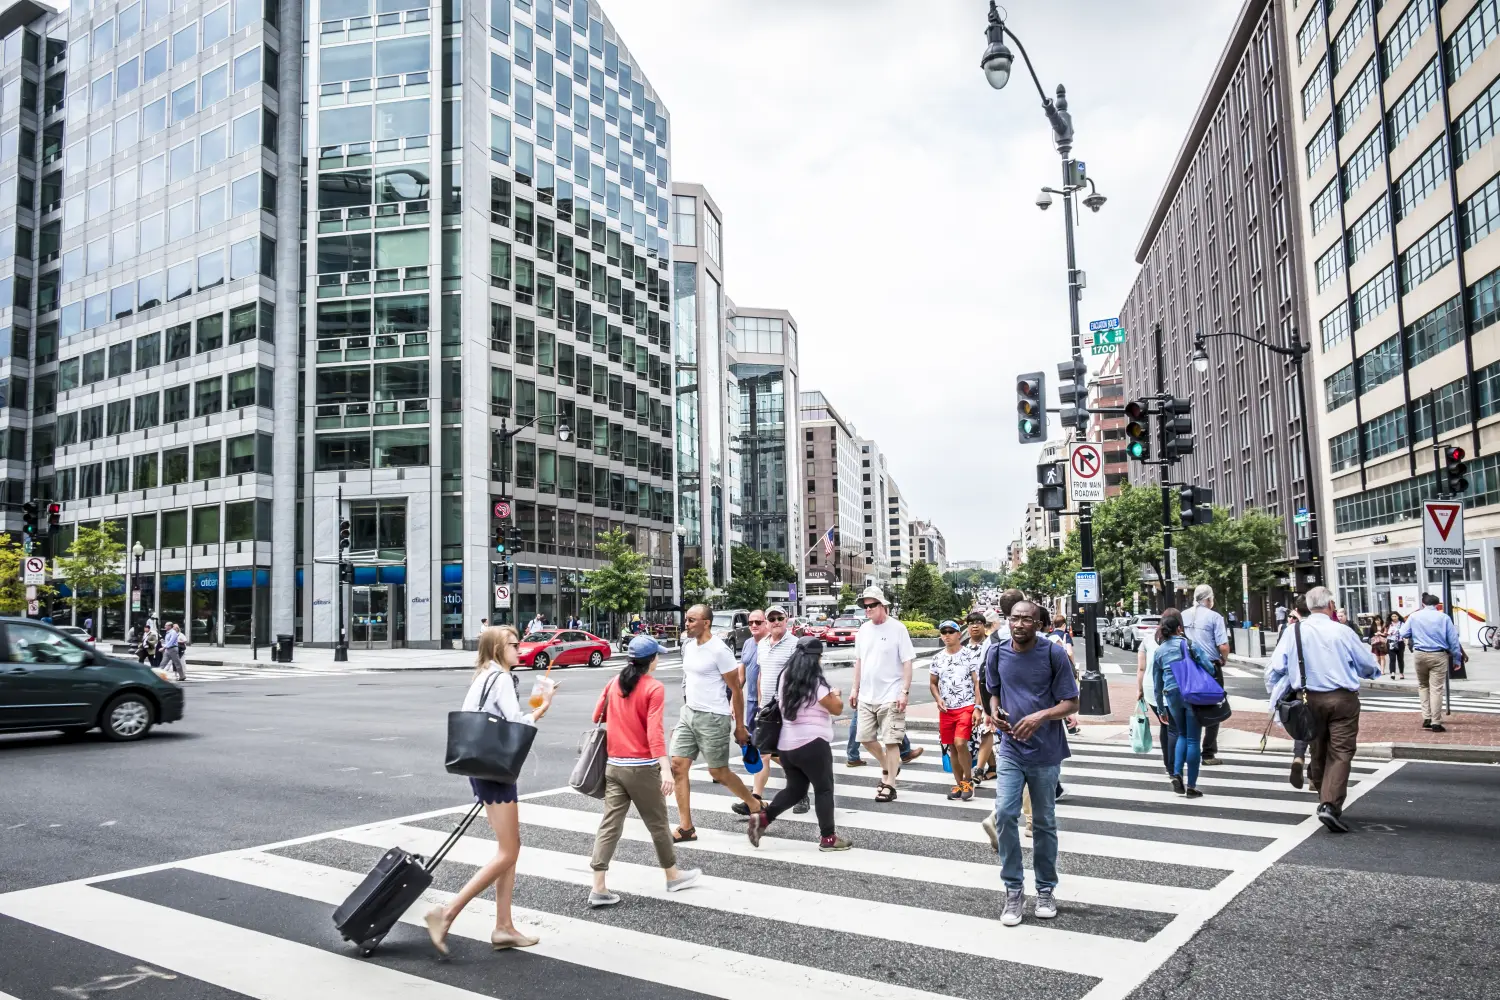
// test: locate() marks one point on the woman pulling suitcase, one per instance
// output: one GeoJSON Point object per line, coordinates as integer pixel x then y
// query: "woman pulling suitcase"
{"type": "Point", "coordinates": [494, 690]}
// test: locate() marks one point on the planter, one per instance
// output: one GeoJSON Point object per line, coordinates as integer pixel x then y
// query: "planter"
{"type": "Point", "coordinates": [926, 643]}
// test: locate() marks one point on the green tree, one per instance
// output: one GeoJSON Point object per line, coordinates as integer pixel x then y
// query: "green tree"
{"type": "Point", "coordinates": [12, 590]}
{"type": "Point", "coordinates": [747, 584]}
{"type": "Point", "coordinates": [847, 596]}
{"type": "Point", "coordinates": [619, 586]}
{"type": "Point", "coordinates": [928, 596]}
{"type": "Point", "coordinates": [94, 568]}
{"type": "Point", "coordinates": [695, 587]}
{"type": "Point", "coordinates": [1213, 553]}
{"type": "Point", "coordinates": [1046, 573]}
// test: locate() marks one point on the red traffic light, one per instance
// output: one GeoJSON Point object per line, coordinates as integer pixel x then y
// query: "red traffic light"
{"type": "Point", "coordinates": [1136, 409]}
{"type": "Point", "coordinates": [1453, 454]}
{"type": "Point", "coordinates": [1028, 387]}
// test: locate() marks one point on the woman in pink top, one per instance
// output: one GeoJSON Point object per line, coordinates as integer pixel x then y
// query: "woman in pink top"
{"type": "Point", "coordinates": [638, 769]}
{"type": "Point", "coordinates": [808, 705]}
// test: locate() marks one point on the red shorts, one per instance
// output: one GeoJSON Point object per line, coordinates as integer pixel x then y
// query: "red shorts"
{"type": "Point", "coordinates": [955, 725]}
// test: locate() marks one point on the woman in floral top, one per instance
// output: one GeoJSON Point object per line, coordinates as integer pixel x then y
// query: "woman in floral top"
{"type": "Point", "coordinates": [953, 678]}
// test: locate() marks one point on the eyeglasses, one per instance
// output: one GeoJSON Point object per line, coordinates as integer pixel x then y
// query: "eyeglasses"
{"type": "Point", "coordinates": [948, 631]}
{"type": "Point", "coordinates": [775, 618]}
{"type": "Point", "coordinates": [757, 621]}
{"type": "Point", "coordinates": [867, 605]}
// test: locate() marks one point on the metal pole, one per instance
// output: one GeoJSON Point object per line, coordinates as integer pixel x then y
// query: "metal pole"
{"type": "Point", "coordinates": [1168, 592]}
{"type": "Point", "coordinates": [341, 643]}
{"type": "Point", "coordinates": [1314, 530]}
{"type": "Point", "coordinates": [1437, 493]}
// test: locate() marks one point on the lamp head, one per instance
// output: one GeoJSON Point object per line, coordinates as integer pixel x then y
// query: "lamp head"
{"type": "Point", "coordinates": [997, 58]}
{"type": "Point", "coordinates": [1094, 201]}
{"type": "Point", "coordinates": [564, 432]}
{"type": "Point", "coordinates": [1200, 357]}
{"type": "Point", "coordinates": [139, 551]}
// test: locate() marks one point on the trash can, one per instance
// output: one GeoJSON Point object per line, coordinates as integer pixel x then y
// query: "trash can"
{"type": "Point", "coordinates": [283, 648]}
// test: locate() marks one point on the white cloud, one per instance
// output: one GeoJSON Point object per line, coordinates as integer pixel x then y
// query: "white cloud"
{"type": "Point", "coordinates": [873, 183]}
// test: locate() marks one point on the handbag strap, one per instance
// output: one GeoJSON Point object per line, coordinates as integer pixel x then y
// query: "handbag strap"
{"type": "Point", "coordinates": [484, 693]}
{"type": "Point", "coordinates": [453, 837]}
{"type": "Point", "coordinates": [1301, 662]}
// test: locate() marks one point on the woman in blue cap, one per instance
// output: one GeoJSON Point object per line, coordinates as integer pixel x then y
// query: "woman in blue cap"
{"type": "Point", "coordinates": [637, 769]}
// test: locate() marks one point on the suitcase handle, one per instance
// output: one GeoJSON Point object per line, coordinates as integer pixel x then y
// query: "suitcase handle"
{"type": "Point", "coordinates": [458, 831]}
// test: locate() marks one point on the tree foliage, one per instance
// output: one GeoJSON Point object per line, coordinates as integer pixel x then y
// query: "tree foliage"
{"type": "Point", "coordinates": [94, 568]}
{"type": "Point", "coordinates": [971, 580]}
{"type": "Point", "coordinates": [1213, 553]}
{"type": "Point", "coordinates": [847, 596]}
{"type": "Point", "coordinates": [928, 596]}
{"type": "Point", "coordinates": [695, 587]}
{"type": "Point", "coordinates": [12, 590]}
{"type": "Point", "coordinates": [619, 586]}
{"type": "Point", "coordinates": [1046, 573]}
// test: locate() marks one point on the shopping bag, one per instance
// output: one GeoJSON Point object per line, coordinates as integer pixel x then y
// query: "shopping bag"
{"type": "Point", "coordinates": [1140, 729]}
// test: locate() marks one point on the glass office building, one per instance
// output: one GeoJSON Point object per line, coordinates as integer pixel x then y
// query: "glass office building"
{"type": "Point", "coordinates": [200, 325]}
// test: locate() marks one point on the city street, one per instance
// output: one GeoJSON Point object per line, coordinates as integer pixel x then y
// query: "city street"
{"type": "Point", "coordinates": [205, 862]}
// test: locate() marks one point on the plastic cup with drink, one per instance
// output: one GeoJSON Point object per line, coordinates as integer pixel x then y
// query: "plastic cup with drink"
{"type": "Point", "coordinates": [541, 689]}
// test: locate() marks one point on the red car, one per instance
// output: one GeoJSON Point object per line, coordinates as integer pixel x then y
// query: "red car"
{"type": "Point", "coordinates": [562, 648]}
{"type": "Point", "coordinates": [842, 631]}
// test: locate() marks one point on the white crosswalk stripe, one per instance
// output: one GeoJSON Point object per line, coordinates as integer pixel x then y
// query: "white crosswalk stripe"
{"type": "Point", "coordinates": [1410, 703]}
{"type": "Point", "coordinates": [1141, 870]}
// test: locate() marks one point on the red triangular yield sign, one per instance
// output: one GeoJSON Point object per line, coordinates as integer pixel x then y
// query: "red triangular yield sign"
{"type": "Point", "coordinates": [1443, 515]}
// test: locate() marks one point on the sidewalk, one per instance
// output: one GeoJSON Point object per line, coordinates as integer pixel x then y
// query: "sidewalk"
{"type": "Point", "coordinates": [315, 660]}
{"type": "Point", "coordinates": [1483, 670]}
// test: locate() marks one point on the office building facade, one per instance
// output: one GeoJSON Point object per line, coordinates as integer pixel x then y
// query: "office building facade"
{"type": "Point", "coordinates": [834, 502]}
{"type": "Point", "coordinates": [1107, 430]}
{"type": "Point", "coordinates": [898, 541]}
{"type": "Point", "coordinates": [928, 545]}
{"type": "Point", "coordinates": [873, 503]}
{"type": "Point", "coordinates": [487, 204]}
{"type": "Point", "coordinates": [1393, 140]}
{"type": "Point", "coordinates": [1222, 253]}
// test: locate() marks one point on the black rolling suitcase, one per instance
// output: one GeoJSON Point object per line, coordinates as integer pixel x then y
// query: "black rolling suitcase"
{"type": "Point", "coordinates": [390, 889]}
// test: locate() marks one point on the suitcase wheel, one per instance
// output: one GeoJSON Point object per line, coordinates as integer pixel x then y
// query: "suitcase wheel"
{"type": "Point", "coordinates": [367, 948]}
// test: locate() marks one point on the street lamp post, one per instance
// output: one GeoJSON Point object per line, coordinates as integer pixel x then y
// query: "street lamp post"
{"type": "Point", "coordinates": [139, 551]}
{"type": "Point", "coordinates": [1296, 351]}
{"type": "Point", "coordinates": [564, 433]}
{"type": "Point", "coordinates": [996, 63]}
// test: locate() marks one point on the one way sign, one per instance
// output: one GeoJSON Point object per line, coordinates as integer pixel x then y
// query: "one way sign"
{"type": "Point", "coordinates": [1443, 534]}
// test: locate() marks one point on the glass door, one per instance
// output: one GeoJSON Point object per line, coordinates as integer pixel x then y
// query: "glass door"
{"type": "Point", "coordinates": [370, 617]}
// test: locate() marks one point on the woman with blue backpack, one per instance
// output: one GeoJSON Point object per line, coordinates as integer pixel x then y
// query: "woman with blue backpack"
{"type": "Point", "coordinates": [1184, 685]}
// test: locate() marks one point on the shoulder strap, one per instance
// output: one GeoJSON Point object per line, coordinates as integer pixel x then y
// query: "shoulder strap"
{"type": "Point", "coordinates": [1301, 661]}
{"type": "Point", "coordinates": [484, 694]}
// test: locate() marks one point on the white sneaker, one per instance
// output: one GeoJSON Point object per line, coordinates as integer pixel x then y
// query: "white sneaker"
{"type": "Point", "coordinates": [688, 877]}
{"type": "Point", "coordinates": [989, 831]}
{"type": "Point", "coordinates": [1046, 906]}
{"type": "Point", "coordinates": [1015, 907]}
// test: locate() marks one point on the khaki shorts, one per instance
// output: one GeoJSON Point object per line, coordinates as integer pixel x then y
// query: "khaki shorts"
{"type": "Point", "coordinates": [703, 733]}
{"type": "Point", "coordinates": [884, 724]}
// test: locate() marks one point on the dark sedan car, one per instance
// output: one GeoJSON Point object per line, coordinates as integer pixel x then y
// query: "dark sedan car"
{"type": "Point", "coordinates": [48, 680]}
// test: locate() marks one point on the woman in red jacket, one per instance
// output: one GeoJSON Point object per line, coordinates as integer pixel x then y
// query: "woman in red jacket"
{"type": "Point", "coordinates": [638, 769]}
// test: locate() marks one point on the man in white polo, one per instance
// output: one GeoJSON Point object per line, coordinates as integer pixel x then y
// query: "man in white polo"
{"type": "Point", "coordinates": [883, 658]}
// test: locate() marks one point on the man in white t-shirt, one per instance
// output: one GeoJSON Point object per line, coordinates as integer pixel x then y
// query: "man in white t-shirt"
{"type": "Point", "coordinates": [713, 710]}
{"type": "Point", "coordinates": [883, 657]}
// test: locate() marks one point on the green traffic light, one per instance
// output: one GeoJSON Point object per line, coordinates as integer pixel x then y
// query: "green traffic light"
{"type": "Point", "coordinates": [1028, 427]}
{"type": "Point", "coordinates": [1137, 449]}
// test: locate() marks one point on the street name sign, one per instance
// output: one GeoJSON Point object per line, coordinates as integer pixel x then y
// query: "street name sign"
{"type": "Point", "coordinates": [1088, 472]}
{"type": "Point", "coordinates": [1113, 323]}
{"type": "Point", "coordinates": [1086, 587]}
{"type": "Point", "coordinates": [1443, 534]}
{"type": "Point", "coordinates": [34, 571]}
{"type": "Point", "coordinates": [1302, 516]}
{"type": "Point", "coordinates": [1112, 338]}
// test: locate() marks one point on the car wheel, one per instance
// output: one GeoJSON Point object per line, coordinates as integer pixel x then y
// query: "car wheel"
{"type": "Point", "coordinates": [541, 661]}
{"type": "Point", "coordinates": [128, 717]}
{"type": "Point", "coordinates": [596, 658]}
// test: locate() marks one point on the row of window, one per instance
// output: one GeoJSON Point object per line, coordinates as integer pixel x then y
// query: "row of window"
{"type": "Point", "coordinates": [181, 102]}
{"type": "Point", "coordinates": [245, 455]}
{"type": "Point", "coordinates": [172, 344]}
{"type": "Point", "coordinates": [88, 44]}
{"type": "Point", "coordinates": [251, 387]}
{"type": "Point", "coordinates": [1401, 501]}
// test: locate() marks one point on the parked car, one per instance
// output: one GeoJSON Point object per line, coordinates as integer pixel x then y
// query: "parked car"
{"type": "Point", "coordinates": [562, 648]}
{"type": "Point", "coordinates": [75, 632]}
{"type": "Point", "coordinates": [1143, 626]}
{"type": "Point", "coordinates": [842, 631]}
{"type": "Point", "coordinates": [1115, 634]}
{"type": "Point", "coordinates": [733, 627]}
{"type": "Point", "coordinates": [51, 680]}
{"type": "Point", "coordinates": [815, 629]}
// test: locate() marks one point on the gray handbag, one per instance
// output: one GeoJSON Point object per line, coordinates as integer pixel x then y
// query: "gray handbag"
{"type": "Point", "coordinates": [593, 754]}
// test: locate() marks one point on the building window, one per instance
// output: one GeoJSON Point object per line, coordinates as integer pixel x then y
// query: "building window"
{"type": "Point", "coordinates": [1472, 36]}
{"type": "Point", "coordinates": [1362, 163]}
{"type": "Point", "coordinates": [1315, 88]}
{"type": "Point", "coordinates": [1413, 104]}
{"type": "Point", "coordinates": [1311, 30]}
{"type": "Point", "coordinates": [1434, 332]}
{"type": "Point", "coordinates": [1427, 255]}
{"type": "Point", "coordinates": [1353, 29]}
{"type": "Point", "coordinates": [1481, 212]}
{"type": "Point", "coordinates": [1320, 146]}
{"type": "Point", "coordinates": [684, 221]}
{"type": "Point", "coordinates": [1334, 327]}
{"type": "Point", "coordinates": [1374, 297]}
{"type": "Point", "coordinates": [1330, 266]}
{"type": "Point", "coordinates": [1338, 388]}
{"type": "Point", "coordinates": [1380, 364]}
{"type": "Point", "coordinates": [1475, 126]}
{"type": "Point", "coordinates": [1356, 98]}
{"type": "Point", "coordinates": [1368, 228]}
{"type": "Point", "coordinates": [1423, 176]}
{"type": "Point", "coordinates": [1324, 205]}
{"type": "Point", "coordinates": [1404, 33]}
{"type": "Point", "coordinates": [1385, 433]}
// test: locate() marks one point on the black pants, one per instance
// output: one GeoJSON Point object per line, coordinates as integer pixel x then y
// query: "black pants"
{"type": "Point", "coordinates": [1211, 740]}
{"type": "Point", "coordinates": [1398, 658]}
{"type": "Point", "coordinates": [810, 764]}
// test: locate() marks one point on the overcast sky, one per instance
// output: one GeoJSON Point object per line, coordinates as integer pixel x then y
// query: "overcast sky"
{"type": "Point", "coordinates": [874, 184]}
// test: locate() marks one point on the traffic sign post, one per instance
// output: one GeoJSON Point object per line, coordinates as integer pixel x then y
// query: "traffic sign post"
{"type": "Point", "coordinates": [1087, 466]}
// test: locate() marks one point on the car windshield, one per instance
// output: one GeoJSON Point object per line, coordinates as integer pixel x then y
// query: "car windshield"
{"type": "Point", "coordinates": [723, 619]}
{"type": "Point", "coordinates": [848, 623]}
{"type": "Point", "coordinates": [542, 636]}
{"type": "Point", "coordinates": [1151, 622]}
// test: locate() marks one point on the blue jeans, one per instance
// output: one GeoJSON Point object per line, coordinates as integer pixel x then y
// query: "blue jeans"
{"type": "Point", "coordinates": [851, 752]}
{"type": "Point", "coordinates": [1187, 738]}
{"type": "Point", "coordinates": [1042, 779]}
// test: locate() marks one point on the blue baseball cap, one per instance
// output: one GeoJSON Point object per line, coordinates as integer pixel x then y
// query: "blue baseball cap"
{"type": "Point", "coordinates": [950, 623]}
{"type": "Point", "coordinates": [643, 647]}
{"type": "Point", "coordinates": [751, 757]}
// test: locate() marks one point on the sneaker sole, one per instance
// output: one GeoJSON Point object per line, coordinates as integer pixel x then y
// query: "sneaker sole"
{"type": "Point", "coordinates": [1045, 916]}
{"type": "Point", "coordinates": [1010, 921]}
{"type": "Point", "coordinates": [827, 850]}
{"type": "Point", "coordinates": [1333, 823]}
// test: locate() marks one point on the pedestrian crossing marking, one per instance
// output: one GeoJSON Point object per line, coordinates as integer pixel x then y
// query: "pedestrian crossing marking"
{"type": "Point", "coordinates": [1137, 918]}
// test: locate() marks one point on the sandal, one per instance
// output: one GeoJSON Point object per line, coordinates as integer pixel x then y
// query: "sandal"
{"type": "Point", "coordinates": [885, 793]}
{"type": "Point", "coordinates": [681, 836]}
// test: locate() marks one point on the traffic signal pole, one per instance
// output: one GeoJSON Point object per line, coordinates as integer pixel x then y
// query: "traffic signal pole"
{"type": "Point", "coordinates": [1167, 583]}
{"type": "Point", "coordinates": [341, 646]}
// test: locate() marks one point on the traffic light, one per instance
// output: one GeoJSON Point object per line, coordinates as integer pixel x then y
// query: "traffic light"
{"type": "Point", "coordinates": [1194, 505]}
{"type": "Point", "coordinates": [1305, 551]}
{"type": "Point", "coordinates": [1176, 429]}
{"type": "Point", "coordinates": [498, 535]}
{"type": "Point", "coordinates": [54, 516]}
{"type": "Point", "coordinates": [513, 541]}
{"type": "Point", "coordinates": [346, 572]}
{"type": "Point", "coordinates": [1031, 408]}
{"type": "Point", "coordinates": [1072, 391]}
{"type": "Point", "coordinates": [1138, 430]}
{"type": "Point", "coordinates": [344, 532]}
{"type": "Point", "coordinates": [28, 517]}
{"type": "Point", "coordinates": [1455, 472]}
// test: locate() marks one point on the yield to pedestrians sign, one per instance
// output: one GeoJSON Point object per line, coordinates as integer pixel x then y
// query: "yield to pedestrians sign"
{"type": "Point", "coordinates": [34, 571]}
{"type": "Point", "coordinates": [1443, 534]}
{"type": "Point", "coordinates": [1087, 466]}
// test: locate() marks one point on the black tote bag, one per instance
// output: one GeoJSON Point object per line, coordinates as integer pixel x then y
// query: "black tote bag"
{"type": "Point", "coordinates": [1295, 714]}
{"type": "Point", "coordinates": [482, 745]}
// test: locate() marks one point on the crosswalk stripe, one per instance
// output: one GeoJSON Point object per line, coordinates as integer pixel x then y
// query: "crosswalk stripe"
{"type": "Point", "coordinates": [969, 831]}
{"type": "Point", "coordinates": [1240, 672]}
{"type": "Point", "coordinates": [1076, 767]}
{"type": "Point", "coordinates": [618, 950]}
{"type": "Point", "coordinates": [888, 864]}
{"type": "Point", "coordinates": [1071, 951]}
{"type": "Point", "coordinates": [1151, 762]}
{"type": "Point", "coordinates": [245, 961]}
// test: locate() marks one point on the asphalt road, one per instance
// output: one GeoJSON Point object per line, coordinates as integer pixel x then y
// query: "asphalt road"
{"type": "Point", "coordinates": [1405, 905]}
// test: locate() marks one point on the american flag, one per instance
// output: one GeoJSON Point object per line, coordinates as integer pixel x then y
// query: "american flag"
{"type": "Point", "coordinates": [828, 542]}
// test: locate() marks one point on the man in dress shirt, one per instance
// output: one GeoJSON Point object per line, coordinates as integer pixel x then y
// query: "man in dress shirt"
{"type": "Point", "coordinates": [1205, 626]}
{"type": "Point", "coordinates": [1434, 638]}
{"type": "Point", "coordinates": [1333, 661]}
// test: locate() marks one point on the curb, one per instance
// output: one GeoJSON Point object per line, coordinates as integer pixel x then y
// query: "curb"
{"type": "Point", "coordinates": [1435, 752]}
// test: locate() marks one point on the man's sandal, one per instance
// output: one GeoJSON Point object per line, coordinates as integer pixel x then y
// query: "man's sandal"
{"type": "Point", "coordinates": [885, 793]}
{"type": "Point", "coordinates": [681, 836]}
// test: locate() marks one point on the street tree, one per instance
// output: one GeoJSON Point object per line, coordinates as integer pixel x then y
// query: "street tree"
{"type": "Point", "coordinates": [928, 596]}
{"type": "Point", "coordinates": [1046, 573]}
{"type": "Point", "coordinates": [847, 597]}
{"type": "Point", "coordinates": [695, 587]}
{"type": "Point", "coordinates": [12, 590]}
{"type": "Point", "coordinates": [94, 568]}
{"type": "Point", "coordinates": [619, 586]}
{"type": "Point", "coordinates": [747, 584]}
{"type": "Point", "coordinates": [1213, 553]}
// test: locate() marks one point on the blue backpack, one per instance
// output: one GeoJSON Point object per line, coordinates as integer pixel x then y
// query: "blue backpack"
{"type": "Point", "coordinates": [1193, 672]}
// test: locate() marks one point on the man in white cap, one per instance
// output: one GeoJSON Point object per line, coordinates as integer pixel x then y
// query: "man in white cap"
{"type": "Point", "coordinates": [883, 657]}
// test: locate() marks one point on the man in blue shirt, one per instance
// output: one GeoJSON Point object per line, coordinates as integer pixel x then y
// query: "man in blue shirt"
{"type": "Point", "coordinates": [1205, 626]}
{"type": "Point", "coordinates": [1032, 690]}
{"type": "Point", "coordinates": [1434, 639]}
{"type": "Point", "coordinates": [1332, 659]}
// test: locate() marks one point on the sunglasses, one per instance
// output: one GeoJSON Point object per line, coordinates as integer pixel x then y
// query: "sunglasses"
{"type": "Point", "coordinates": [948, 631]}
{"type": "Point", "coordinates": [867, 605]}
{"type": "Point", "coordinates": [775, 618]}
{"type": "Point", "coordinates": [757, 621]}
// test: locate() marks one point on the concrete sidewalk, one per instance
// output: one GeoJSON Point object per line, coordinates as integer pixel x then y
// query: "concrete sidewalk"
{"type": "Point", "coordinates": [1483, 669]}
